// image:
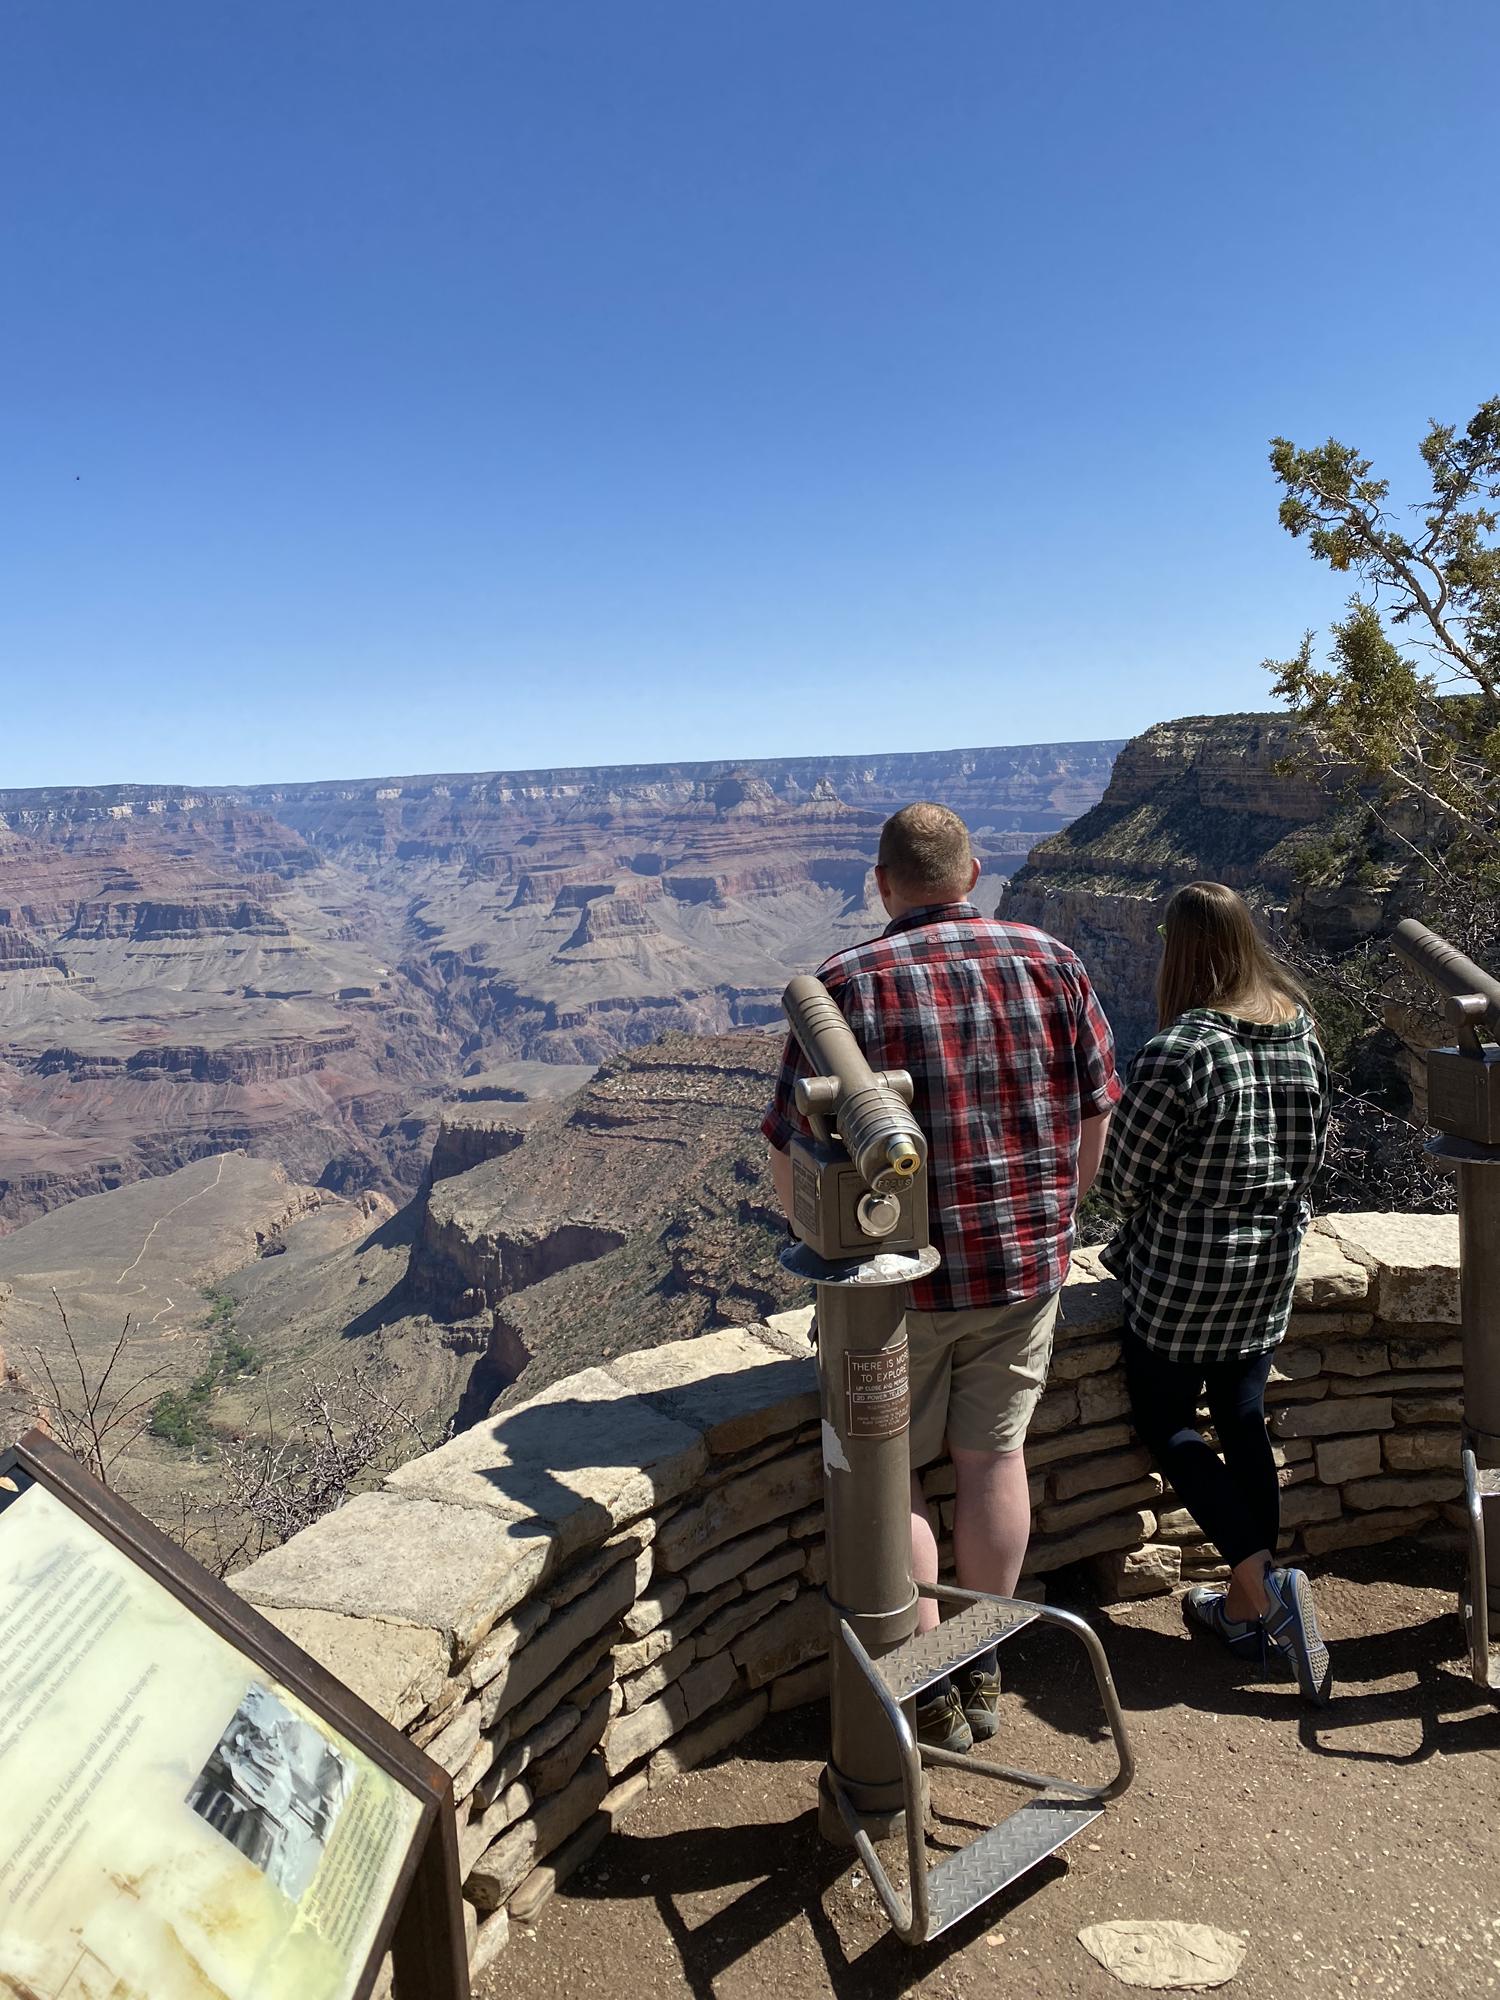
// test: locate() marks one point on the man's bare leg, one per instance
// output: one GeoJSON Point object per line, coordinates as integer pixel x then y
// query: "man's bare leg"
{"type": "Point", "coordinates": [992, 1519]}
{"type": "Point", "coordinates": [924, 1554]}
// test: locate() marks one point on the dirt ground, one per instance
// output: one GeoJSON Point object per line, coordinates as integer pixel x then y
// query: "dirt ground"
{"type": "Point", "coordinates": [1357, 1849]}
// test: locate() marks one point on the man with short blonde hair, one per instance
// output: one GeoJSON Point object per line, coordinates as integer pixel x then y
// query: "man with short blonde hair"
{"type": "Point", "coordinates": [1012, 1064]}
{"type": "Point", "coordinates": [925, 851]}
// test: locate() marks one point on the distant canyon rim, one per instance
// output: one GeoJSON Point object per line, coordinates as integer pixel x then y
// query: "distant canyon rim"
{"type": "Point", "coordinates": [301, 972]}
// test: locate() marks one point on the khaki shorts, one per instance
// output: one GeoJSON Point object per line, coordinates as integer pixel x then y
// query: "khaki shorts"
{"type": "Point", "coordinates": [977, 1375]}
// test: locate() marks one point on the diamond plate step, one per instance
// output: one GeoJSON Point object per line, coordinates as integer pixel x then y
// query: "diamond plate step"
{"type": "Point", "coordinates": [922, 1661]}
{"type": "Point", "coordinates": [1487, 1483]}
{"type": "Point", "coordinates": [961, 1882]}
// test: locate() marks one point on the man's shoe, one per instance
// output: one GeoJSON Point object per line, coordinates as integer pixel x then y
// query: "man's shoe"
{"type": "Point", "coordinates": [941, 1723]}
{"type": "Point", "coordinates": [1292, 1627]}
{"type": "Point", "coordinates": [1203, 1608]}
{"type": "Point", "coordinates": [979, 1695]}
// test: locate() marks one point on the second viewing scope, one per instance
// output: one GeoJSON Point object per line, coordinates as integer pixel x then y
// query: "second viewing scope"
{"type": "Point", "coordinates": [1463, 1084]}
{"type": "Point", "coordinates": [1442, 965]}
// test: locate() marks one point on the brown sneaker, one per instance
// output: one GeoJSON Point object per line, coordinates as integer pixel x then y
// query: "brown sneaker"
{"type": "Point", "coordinates": [941, 1724]}
{"type": "Point", "coordinates": [979, 1696]}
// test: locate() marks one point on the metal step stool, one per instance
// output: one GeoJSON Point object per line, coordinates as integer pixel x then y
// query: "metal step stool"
{"type": "Point", "coordinates": [1481, 1490]}
{"type": "Point", "coordinates": [960, 1882]}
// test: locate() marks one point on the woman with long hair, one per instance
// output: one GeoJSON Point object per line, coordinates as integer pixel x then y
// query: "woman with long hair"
{"type": "Point", "coordinates": [1212, 1151]}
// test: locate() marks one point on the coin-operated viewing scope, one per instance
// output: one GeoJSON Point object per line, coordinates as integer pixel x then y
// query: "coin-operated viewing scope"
{"type": "Point", "coordinates": [859, 1207]}
{"type": "Point", "coordinates": [1463, 1102]}
{"type": "Point", "coordinates": [858, 1185]}
{"type": "Point", "coordinates": [1463, 1083]}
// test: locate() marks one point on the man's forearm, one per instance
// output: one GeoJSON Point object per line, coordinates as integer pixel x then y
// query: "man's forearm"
{"type": "Point", "coordinates": [1091, 1141]}
{"type": "Point", "coordinates": [781, 1179]}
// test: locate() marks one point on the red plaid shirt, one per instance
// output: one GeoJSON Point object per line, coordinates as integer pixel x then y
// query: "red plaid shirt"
{"type": "Point", "coordinates": [1009, 1053]}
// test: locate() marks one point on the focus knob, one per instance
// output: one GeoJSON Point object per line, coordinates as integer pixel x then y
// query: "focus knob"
{"type": "Point", "coordinates": [878, 1213]}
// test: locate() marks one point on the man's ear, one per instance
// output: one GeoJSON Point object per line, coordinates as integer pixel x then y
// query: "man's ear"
{"type": "Point", "coordinates": [882, 881]}
{"type": "Point", "coordinates": [973, 873]}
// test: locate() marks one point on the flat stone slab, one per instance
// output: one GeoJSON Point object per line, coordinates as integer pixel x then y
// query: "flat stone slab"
{"type": "Point", "coordinates": [696, 1746]}
{"type": "Point", "coordinates": [411, 1561]}
{"type": "Point", "coordinates": [789, 1638]}
{"type": "Point", "coordinates": [397, 1669]}
{"type": "Point", "coordinates": [1100, 1470]}
{"type": "Point", "coordinates": [1421, 1451]}
{"type": "Point", "coordinates": [1092, 1303]}
{"type": "Point", "coordinates": [728, 1385]}
{"type": "Point", "coordinates": [507, 1864]}
{"type": "Point", "coordinates": [1327, 1274]}
{"type": "Point", "coordinates": [584, 1457]}
{"type": "Point", "coordinates": [1163, 1954]}
{"type": "Point", "coordinates": [780, 1487]}
{"type": "Point", "coordinates": [735, 1559]}
{"type": "Point", "coordinates": [1335, 1416]}
{"type": "Point", "coordinates": [1351, 1458]}
{"type": "Point", "coordinates": [795, 1324]}
{"type": "Point", "coordinates": [593, 1616]}
{"type": "Point", "coordinates": [654, 1606]}
{"type": "Point", "coordinates": [1148, 1571]}
{"type": "Point", "coordinates": [1120, 1531]}
{"type": "Point", "coordinates": [1413, 1259]}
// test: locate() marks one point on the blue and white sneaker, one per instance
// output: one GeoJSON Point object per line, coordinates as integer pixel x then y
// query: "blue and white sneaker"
{"type": "Point", "coordinates": [1244, 1637]}
{"type": "Point", "coordinates": [1292, 1627]}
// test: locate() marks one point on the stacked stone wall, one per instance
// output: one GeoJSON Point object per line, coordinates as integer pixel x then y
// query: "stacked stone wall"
{"type": "Point", "coordinates": [592, 1592]}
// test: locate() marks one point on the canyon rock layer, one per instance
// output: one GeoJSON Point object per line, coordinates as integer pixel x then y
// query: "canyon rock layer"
{"type": "Point", "coordinates": [301, 972]}
{"type": "Point", "coordinates": [1203, 798]}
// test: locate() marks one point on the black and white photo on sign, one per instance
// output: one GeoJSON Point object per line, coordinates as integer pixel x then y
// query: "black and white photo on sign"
{"type": "Point", "coordinates": [273, 1786]}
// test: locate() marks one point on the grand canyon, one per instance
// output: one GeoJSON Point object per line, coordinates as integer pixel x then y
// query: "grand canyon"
{"type": "Point", "coordinates": [455, 1081]}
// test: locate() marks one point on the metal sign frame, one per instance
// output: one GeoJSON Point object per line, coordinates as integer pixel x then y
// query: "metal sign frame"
{"type": "Point", "coordinates": [423, 1924]}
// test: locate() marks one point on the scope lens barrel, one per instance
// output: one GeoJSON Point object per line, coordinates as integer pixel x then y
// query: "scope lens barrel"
{"type": "Point", "coordinates": [1444, 966]}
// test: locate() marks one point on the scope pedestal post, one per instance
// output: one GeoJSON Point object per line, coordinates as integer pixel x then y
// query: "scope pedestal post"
{"type": "Point", "coordinates": [864, 1397]}
{"type": "Point", "coordinates": [1477, 1169]}
{"type": "Point", "coordinates": [1463, 1102]}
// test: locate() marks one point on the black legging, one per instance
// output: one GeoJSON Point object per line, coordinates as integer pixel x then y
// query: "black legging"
{"type": "Point", "coordinates": [1235, 1499]}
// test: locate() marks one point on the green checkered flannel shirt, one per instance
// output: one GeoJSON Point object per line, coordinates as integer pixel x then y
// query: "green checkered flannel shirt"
{"type": "Point", "coordinates": [1211, 1154]}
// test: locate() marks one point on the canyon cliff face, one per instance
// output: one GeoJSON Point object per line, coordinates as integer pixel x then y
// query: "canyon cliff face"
{"type": "Point", "coordinates": [637, 1211]}
{"type": "Point", "coordinates": [1196, 799]}
{"type": "Point", "coordinates": [181, 975]}
{"type": "Point", "coordinates": [303, 972]}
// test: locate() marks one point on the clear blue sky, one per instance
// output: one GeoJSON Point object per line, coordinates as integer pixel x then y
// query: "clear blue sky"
{"type": "Point", "coordinates": [397, 387]}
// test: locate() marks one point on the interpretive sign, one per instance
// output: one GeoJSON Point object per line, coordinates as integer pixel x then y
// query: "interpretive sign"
{"type": "Point", "coordinates": [193, 1808]}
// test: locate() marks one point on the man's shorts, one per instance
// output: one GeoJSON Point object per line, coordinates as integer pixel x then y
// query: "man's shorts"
{"type": "Point", "coordinates": [977, 1375]}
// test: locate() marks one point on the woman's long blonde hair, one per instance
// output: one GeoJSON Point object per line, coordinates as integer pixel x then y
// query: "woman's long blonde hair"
{"type": "Point", "coordinates": [1215, 957]}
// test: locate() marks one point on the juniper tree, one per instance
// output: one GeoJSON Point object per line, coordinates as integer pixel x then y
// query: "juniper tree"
{"type": "Point", "coordinates": [1408, 698]}
{"type": "Point", "coordinates": [1404, 710]}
